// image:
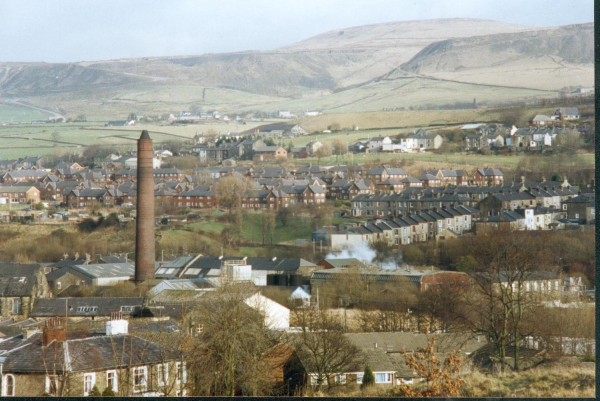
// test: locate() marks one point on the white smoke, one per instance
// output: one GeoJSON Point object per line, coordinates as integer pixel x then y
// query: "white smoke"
{"type": "Point", "coordinates": [365, 254]}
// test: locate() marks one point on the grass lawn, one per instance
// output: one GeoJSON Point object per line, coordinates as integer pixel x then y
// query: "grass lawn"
{"type": "Point", "coordinates": [251, 228]}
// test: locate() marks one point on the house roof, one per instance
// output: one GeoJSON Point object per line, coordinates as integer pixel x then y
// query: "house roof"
{"type": "Point", "coordinates": [84, 355]}
{"type": "Point", "coordinates": [106, 270]}
{"type": "Point", "coordinates": [17, 280]}
{"type": "Point", "coordinates": [85, 306]}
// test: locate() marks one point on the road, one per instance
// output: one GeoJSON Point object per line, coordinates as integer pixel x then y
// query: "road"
{"type": "Point", "coordinates": [16, 101]}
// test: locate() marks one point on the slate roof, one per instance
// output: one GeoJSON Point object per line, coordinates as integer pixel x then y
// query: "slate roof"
{"type": "Point", "coordinates": [490, 172]}
{"type": "Point", "coordinates": [85, 306]}
{"type": "Point", "coordinates": [106, 270]}
{"type": "Point", "coordinates": [17, 280]}
{"type": "Point", "coordinates": [84, 355]}
{"type": "Point", "coordinates": [396, 341]}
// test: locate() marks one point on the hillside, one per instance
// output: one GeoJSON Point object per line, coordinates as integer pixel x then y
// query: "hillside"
{"type": "Point", "coordinates": [396, 65]}
{"type": "Point", "coordinates": [543, 59]}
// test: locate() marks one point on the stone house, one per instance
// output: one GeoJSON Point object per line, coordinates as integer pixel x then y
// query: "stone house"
{"type": "Point", "coordinates": [21, 285]}
{"type": "Point", "coordinates": [57, 362]}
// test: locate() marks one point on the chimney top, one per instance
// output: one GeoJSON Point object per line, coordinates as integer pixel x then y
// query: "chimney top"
{"type": "Point", "coordinates": [145, 135]}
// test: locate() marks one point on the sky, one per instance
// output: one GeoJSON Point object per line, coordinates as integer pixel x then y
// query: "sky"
{"type": "Point", "coordinates": [86, 30]}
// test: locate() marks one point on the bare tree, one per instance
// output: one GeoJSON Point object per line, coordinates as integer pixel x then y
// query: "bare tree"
{"type": "Point", "coordinates": [230, 190]}
{"type": "Point", "coordinates": [229, 357]}
{"type": "Point", "coordinates": [498, 299]}
{"type": "Point", "coordinates": [323, 151]}
{"type": "Point", "coordinates": [322, 346]}
{"type": "Point", "coordinates": [341, 148]}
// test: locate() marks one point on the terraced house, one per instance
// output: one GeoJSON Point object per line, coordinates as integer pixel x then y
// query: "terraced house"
{"type": "Point", "coordinates": [57, 362]}
{"type": "Point", "coordinates": [80, 198]}
{"type": "Point", "coordinates": [408, 201]}
{"type": "Point", "coordinates": [19, 195]}
{"type": "Point", "coordinates": [417, 227]}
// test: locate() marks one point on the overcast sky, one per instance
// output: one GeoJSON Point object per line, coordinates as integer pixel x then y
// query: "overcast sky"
{"type": "Point", "coordinates": [76, 30]}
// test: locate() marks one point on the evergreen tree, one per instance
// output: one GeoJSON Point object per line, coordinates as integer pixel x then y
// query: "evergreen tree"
{"type": "Point", "coordinates": [108, 392]}
{"type": "Point", "coordinates": [95, 392]}
{"type": "Point", "coordinates": [368, 378]}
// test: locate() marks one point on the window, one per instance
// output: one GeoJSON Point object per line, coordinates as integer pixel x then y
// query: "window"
{"type": "Point", "coordinates": [556, 285]}
{"type": "Point", "coordinates": [127, 308]}
{"type": "Point", "coordinates": [359, 378]}
{"type": "Point", "coordinates": [139, 379]}
{"type": "Point", "coordinates": [87, 309]}
{"type": "Point", "coordinates": [111, 380]}
{"type": "Point", "coordinates": [17, 306]}
{"type": "Point", "coordinates": [58, 285]}
{"type": "Point", "coordinates": [162, 374]}
{"type": "Point", "coordinates": [89, 379]}
{"type": "Point", "coordinates": [383, 377]}
{"type": "Point", "coordinates": [52, 385]}
{"type": "Point", "coordinates": [9, 386]}
{"type": "Point", "coordinates": [181, 374]}
{"type": "Point", "coordinates": [340, 379]}
{"type": "Point", "coordinates": [314, 380]}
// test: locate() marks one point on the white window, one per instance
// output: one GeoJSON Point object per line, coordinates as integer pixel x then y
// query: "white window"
{"type": "Point", "coordinates": [359, 378]}
{"type": "Point", "coordinates": [89, 380]}
{"type": "Point", "coordinates": [162, 374]}
{"type": "Point", "coordinates": [556, 285]}
{"type": "Point", "coordinates": [140, 380]}
{"type": "Point", "coordinates": [52, 385]}
{"type": "Point", "coordinates": [8, 386]}
{"type": "Point", "coordinates": [111, 380]}
{"type": "Point", "coordinates": [535, 285]}
{"type": "Point", "coordinates": [181, 374]}
{"type": "Point", "coordinates": [58, 285]}
{"type": "Point", "coordinates": [527, 286]}
{"type": "Point", "coordinates": [340, 379]}
{"type": "Point", "coordinates": [313, 380]}
{"type": "Point", "coordinates": [383, 377]}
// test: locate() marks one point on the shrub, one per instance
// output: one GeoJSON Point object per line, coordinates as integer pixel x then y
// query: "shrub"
{"type": "Point", "coordinates": [108, 392]}
{"type": "Point", "coordinates": [95, 392]}
{"type": "Point", "coordinates": [368, 378]}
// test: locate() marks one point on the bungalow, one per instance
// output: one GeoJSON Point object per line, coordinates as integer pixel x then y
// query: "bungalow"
{"type": "Point", "coordinates": [541, 120]}
{"type": "Point", "coordinates": [269, 153]}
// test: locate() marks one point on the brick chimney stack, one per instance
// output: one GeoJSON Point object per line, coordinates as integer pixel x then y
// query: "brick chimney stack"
{"type": "Point", "coordinates": [144, 230]}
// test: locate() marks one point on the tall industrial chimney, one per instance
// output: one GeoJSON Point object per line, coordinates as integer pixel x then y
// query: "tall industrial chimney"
{"type": "Point", "coordinates": [144, 228]}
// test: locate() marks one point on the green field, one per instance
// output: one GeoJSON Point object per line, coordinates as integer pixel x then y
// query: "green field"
{"type": "Point", "coordinates": [12, 113]}
{"type": "Point", "coordinates": [251, 228]}
{"type": "Point", "coordinates": [21, 140]}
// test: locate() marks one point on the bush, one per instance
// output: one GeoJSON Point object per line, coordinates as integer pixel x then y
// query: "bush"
{"type": "Point", "coordinates": [338, 203]}
{"type": "Point", "coordinates": [95, 392]}
{"type": "Point", "coordinates": [368, 378]}
{"type": "Point", "coordinates": [108, 392]}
